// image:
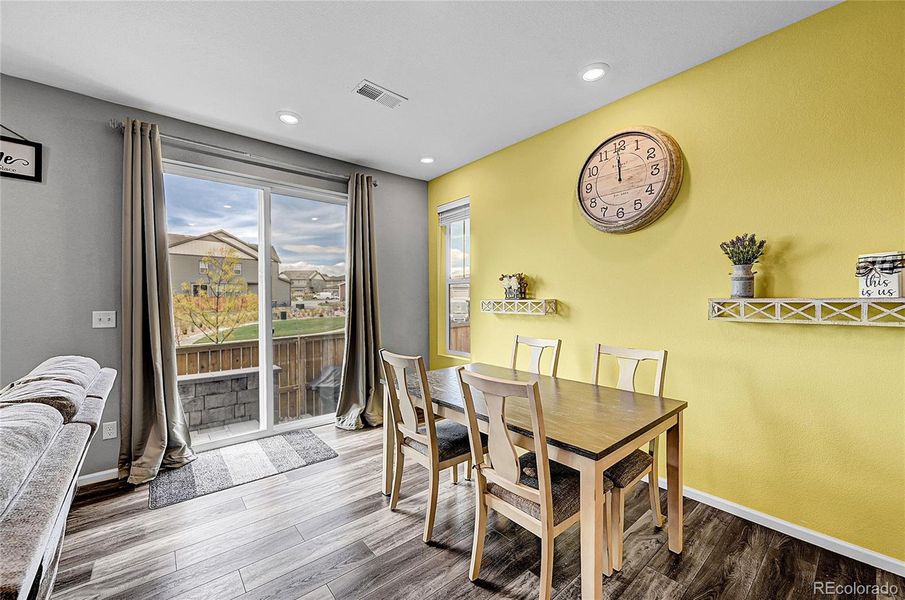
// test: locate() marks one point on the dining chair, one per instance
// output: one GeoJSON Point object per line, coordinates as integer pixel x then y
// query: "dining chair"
{"type": "Point", "coordinates": [537, 346]}
{"type": "Point", "coordinates": [437, 445]}
{"type": "Point", "coordinates": [540, 495]}
{"type": "Point", "coordinates": [630, 470]}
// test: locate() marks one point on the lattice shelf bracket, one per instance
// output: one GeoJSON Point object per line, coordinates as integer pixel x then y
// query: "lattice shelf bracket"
{"type": "Point", "coordinates": [539, 306]}
{"type": "Point", "coordinates": [868, 312]}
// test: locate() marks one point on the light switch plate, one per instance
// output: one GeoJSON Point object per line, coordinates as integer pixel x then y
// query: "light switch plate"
{"type": "Point", "coordinates": [109, 431]}
{"type": "Point", "coordinates": [103, 319]}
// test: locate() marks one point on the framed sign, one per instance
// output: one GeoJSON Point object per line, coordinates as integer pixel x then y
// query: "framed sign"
{"type": "Point", "coordinates": [20, 159]}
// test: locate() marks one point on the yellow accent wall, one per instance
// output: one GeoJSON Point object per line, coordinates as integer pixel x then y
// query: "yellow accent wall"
{"type": "Point", "coordinates": [798, 136]}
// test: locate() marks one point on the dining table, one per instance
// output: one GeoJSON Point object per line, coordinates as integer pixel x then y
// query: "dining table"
{"type": "Point", "coordinates": [589, 428]}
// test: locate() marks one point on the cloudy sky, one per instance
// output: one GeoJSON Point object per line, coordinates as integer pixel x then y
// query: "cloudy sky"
{"type": "Point", "coordinates": [307, 234]}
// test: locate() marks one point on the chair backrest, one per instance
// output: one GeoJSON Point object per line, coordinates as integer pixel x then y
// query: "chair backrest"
{"type": "Point", "coordinates": [537, 346]}
{"type": "Point", "coordinates": [396, 367]}
{"type": "Point", "coordinates": [502, 464]}
{"type": "Point", "coordinates": [629, 359]}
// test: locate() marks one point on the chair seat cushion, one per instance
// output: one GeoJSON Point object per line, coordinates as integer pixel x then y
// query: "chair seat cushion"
{"type": "Point", "coordinates": [452, 440]}
{"type": "Point", "coordinates": [565, 483]}
{"type": "Point", "coordinates": [626, 470]}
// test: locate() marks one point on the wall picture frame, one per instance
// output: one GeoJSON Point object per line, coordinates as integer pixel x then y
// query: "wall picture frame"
{"type": "Point", "coordinates": [20, 159]}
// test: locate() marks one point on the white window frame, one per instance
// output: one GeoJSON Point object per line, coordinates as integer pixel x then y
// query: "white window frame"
{"type": "Point", "coordinates": [203, 267]}
{"type": "Point", "coordinates": [453, 212]}
{"type": "Point", "coordinates": [266, 187]}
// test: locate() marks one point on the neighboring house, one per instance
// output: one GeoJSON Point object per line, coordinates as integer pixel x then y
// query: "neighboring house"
{"type": "Point", "coordinates": [187, 253]}
{"type": "Point", "coordinates": [333, 284]}
{"type": "Point", "coordinates": [305, 282]}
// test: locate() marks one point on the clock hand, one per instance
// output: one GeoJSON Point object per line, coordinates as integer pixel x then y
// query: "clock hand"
{"type": "Point", "coordinates": [619, 166]}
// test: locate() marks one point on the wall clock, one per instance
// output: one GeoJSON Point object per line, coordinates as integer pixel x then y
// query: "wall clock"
{"type": "Point", "coordinates": [630, 180]}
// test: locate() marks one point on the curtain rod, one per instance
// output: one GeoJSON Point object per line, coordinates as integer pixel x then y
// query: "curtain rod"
{"type": "Point", "coordinates": [248, 157]}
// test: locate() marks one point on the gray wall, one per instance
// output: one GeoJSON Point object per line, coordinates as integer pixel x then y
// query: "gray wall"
{"type": "Point", "coordinates": [60, 239]}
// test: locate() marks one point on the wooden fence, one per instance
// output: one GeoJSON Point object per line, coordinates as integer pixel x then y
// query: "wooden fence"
{"type": "Point", "coordinates": [460, 337]}
{"type": "Point", "coordinates": [302, 360]}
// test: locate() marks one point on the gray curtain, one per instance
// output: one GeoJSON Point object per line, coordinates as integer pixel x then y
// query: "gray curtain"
{"type": "Point", "coordinates": [360, 400]}
{"type": "Point", "coordinates": [154, 432]}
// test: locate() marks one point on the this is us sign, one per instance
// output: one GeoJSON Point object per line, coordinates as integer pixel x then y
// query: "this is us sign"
{"type": "Point", "coordinates": [20, 159]}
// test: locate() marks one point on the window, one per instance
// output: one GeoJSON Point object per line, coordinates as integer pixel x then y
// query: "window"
{"type": "Point", "coordinates": [203, 266]}
{"type": "Point", "coordinates": [199, 289]}
{"type": "Point", "coordinates": [456, 224]}
{"type": "Point", "coordinates": [237, 269]}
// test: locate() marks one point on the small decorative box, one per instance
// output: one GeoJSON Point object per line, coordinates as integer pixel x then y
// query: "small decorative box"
{"type": "Point", "coordinates": [881, 275]}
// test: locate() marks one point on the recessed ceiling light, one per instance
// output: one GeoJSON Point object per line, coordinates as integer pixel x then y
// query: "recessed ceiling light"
{"type": "Point", "coordinates": [314, 218]}
{"type": "Point", "coordinates": [227, 206]}
{"type": "Point", "coordinates": [289, 117]}
{"type": "Point", "coordinates": [594, 71]}
{"type": "Point", "coordinates": [427, 160]}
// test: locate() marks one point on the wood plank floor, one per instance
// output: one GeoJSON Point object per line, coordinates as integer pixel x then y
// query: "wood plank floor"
{"type": "Point", "coordinates": [325, 532]}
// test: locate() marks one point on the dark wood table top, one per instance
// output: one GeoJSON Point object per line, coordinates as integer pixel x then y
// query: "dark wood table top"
{"type": "Point", "coordinates": [590, 420]}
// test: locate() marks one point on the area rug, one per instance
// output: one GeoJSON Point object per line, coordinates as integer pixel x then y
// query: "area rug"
{"type": "Point", "coordinates": [224, 468]}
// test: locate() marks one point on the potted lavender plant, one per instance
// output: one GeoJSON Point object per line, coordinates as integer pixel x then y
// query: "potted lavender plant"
{"type": "Point", "coordinates": [743, 251]}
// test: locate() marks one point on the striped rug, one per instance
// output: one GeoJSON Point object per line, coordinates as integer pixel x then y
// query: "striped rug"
{"type": "Point", "coordinates": [224, 468]}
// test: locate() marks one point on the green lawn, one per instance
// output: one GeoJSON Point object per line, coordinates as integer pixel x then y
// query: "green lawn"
{"type": "Point", "coordinates": [287, 328]}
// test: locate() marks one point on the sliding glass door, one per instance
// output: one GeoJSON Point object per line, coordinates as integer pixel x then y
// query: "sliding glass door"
{"type": "Point", "coordinates": [309, 317]}
{"type": "Point", "coordinates": [258, 292]}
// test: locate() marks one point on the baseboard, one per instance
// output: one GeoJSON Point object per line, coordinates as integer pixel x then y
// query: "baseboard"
{"type": "Point", "coordinates": [875, 559]}
{"type": "Point", "coordinates": [98, 477]}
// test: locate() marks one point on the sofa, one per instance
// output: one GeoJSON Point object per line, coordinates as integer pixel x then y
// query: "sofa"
{"type": "Point", "coordinates": [47, 419]}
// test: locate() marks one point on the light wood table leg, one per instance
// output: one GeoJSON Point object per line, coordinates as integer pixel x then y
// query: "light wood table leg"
{"type": "Point", "coordinates": [389, 445]}
{"type": "Point", "coordinates": [674, 485]}
{"type": "Point", "coordinates": [593, 531]}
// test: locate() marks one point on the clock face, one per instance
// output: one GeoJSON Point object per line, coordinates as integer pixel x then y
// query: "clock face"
{"type": "Point", "coordinates": [630, 180]}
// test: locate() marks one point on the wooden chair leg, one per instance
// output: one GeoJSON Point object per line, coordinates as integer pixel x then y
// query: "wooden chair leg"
{"type": "Point", "coordinates": [546, 564]}
{"type": "Point", "coordinates": [455, 474]}
{"type": "Point", "coordinates": [398, 463]}
{"type": "Point", "coordinates": [431, 503]}
{"type": "Point", "coordinates": [653, 486]}
{"type": "Point", "coordinates": [607, 535]}
{"type": "Point", "coordinates": [468, 470]}
{"type": "Point", "coordinates": [618, 518]}
{"type": "Point", "coordinates": [480, 531]}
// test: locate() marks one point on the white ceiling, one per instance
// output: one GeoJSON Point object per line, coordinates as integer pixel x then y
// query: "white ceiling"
{"type": "Point", "coordinates": [479, 76]}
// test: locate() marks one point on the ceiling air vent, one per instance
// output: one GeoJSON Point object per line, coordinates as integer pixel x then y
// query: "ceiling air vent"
{"type": "Point", "coordinates": [379, 94]}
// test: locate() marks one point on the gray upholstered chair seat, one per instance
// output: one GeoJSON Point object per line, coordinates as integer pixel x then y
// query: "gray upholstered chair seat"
{"type": "Point", "coordinates": [565, 485]}
{"type": "Point", "coordinates": [626, 470]}
{"type": "Point", "coordinates": [452, 440]}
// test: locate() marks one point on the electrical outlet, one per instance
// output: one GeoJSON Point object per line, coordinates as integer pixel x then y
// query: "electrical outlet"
{"type": "Point", "coordinates": [109, 430]}
{"type": "Point", "coordinates": [103, 319]}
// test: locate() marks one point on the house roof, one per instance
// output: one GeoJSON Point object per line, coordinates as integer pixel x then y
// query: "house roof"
{"type": "Point", "coordinates": [303, 274]}
{"type": "Point", "coordinates": [220, 235]}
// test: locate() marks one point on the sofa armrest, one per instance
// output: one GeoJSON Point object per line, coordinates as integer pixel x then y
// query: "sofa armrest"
{"type": "Point", "coordinates": [91, 410]}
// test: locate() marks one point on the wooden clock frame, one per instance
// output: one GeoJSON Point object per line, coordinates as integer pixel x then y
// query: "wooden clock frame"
{"type": "Point", "coordinates": [675, 174]}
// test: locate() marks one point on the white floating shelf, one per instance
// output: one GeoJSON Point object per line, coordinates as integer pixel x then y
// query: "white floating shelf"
{"type": "Point", "coordinates": [531, 306]}
{"type": "Point", "coordinates": [866, 312]}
